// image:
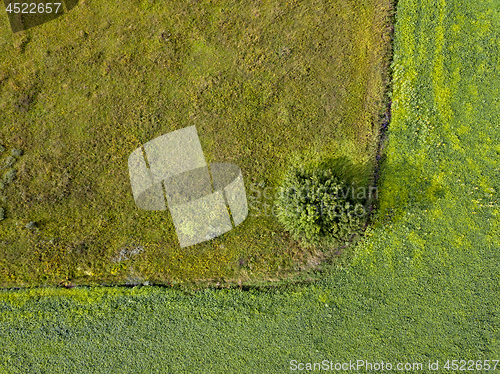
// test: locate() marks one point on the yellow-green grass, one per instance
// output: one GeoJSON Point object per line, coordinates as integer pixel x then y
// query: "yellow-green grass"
{"type": "Point", "coordinates": [261, 81]}
{"type": "Point", "coordinates": [439, 193]}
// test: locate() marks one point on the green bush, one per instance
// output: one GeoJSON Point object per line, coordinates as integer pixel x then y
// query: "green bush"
{"type": "Point", "coordinates": [2, 148]}
{"type": "Point", "coordinates": [2, 213]}
{"type": "Point", "coordinates": [321, 208]}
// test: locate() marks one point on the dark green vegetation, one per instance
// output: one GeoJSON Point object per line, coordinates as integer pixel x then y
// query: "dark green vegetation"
{"type": "Point", "coordinates": [425, 284]}
{"type": "Point", "coordinates": [322, 207]}
{"type": "Point", "coordinates": [260, 80]}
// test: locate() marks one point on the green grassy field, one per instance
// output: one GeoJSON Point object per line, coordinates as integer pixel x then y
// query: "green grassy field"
{"type": "Point", "coordinates": [262, 82]}
{"type": "Point", "coordinates": [424, 285]}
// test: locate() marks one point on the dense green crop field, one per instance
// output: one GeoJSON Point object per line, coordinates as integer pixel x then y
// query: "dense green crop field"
{"type": "Point", "coordinates": [424, 285]}
{"type": "Point", "coordinates": [261, 81]}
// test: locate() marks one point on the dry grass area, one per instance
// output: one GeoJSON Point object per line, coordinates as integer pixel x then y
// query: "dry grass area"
{"type": "Point", "coordinates": [262, 81]}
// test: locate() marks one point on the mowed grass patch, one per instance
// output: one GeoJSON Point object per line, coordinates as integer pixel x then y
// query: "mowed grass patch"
{"type": "Point", "coordinates": [439, 191]}
{"type": "Point", "coordinates": [261, 82]}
